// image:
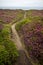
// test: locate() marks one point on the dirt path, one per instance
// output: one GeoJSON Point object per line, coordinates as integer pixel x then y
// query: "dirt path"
{"type": "Point", "coordinates": [23, 58]}
{"type": "Point", "coordinates": [16, 38]}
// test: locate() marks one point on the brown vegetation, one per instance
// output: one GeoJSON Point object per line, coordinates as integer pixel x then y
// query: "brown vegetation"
{"type": "Point", "coordinates": [32, 35]}
{"type": "Point", "coordinates": [8, 16]}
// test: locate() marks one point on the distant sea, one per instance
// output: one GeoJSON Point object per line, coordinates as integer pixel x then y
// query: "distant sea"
{"type": "Point", "coordinates": [24, 8]}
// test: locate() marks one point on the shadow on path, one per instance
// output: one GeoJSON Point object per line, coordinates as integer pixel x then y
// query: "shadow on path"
{"type": "Point", "coordinates": [22, 59]}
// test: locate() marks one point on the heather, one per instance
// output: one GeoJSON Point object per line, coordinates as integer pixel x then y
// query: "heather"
{"type": "Point", "coordinates": [31, 34]}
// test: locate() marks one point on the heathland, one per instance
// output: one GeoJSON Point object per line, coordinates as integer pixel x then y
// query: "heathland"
{"type": "Point", "coordinates": [21, 37]}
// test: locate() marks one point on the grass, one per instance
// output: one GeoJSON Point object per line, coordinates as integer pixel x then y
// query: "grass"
{"type": "Point", "coordinates": [8, 44]}
{"type": "Point", "coordinates": [27, 20]}
{"type": "Point", "coordinates": [19, 24]}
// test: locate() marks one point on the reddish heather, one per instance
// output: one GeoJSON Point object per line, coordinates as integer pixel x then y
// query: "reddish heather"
{"type": "Point", "coordinates": [1, 26]}
{"type": "Point", "coordinates": [35, 13]}
{"type": "Point", "coordinates": [32, 35]}
{"type": "Point", "coordinates": [8, 15]}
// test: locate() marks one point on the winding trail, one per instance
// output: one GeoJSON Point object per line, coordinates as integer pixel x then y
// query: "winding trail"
{"type": "Point", "coordinates": [16, 38]}
{"type": "Point", "coordinates": [24, 57]}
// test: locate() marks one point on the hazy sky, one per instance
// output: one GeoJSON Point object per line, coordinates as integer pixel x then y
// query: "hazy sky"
{"type": "Point", "coordinates": [21, 3]}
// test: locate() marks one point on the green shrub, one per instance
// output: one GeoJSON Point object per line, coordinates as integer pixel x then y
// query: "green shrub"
{"type": "Point", "coordinates": [19, 24]}
{"type": "Point", "coordinates": [4, 56]}
{"type": "Point", "coordinates": [8, 51]}
{"type": "Point", "coordinates": [11, 48]}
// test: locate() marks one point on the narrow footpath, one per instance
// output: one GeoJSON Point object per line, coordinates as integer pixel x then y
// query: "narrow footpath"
{"type": "Point", "coordinates": [23, 55]}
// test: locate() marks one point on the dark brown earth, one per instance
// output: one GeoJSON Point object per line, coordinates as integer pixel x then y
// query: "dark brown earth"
{"type": "Point", "coordinates": [22, 59]}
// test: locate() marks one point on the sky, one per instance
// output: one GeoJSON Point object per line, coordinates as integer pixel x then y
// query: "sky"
{"type": "Point", "coordinates": [21, 3]}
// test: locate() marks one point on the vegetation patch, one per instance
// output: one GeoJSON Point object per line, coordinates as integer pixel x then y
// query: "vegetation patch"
{"type": "Point", "coordinates": [20, 24]}
{"type": "Point", "coordinates": [31, 31]}
{"type": "Point", "coordinates": [8, 51]}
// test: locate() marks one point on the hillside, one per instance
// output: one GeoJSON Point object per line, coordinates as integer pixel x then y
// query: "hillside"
{"type": "Point", "coordinates": [8, 16]}
{"type": "Point", "coordinates": [21, 37]}
{"type": "Point", "coordinates": [31, 33]}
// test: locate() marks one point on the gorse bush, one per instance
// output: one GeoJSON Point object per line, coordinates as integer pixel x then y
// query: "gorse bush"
{"type": "Point", "coordinates": [8, 51]}
{"type": "Point", "coordinates": [19, 24]}
{"type": "Point", "coordinates": [4, 56]}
